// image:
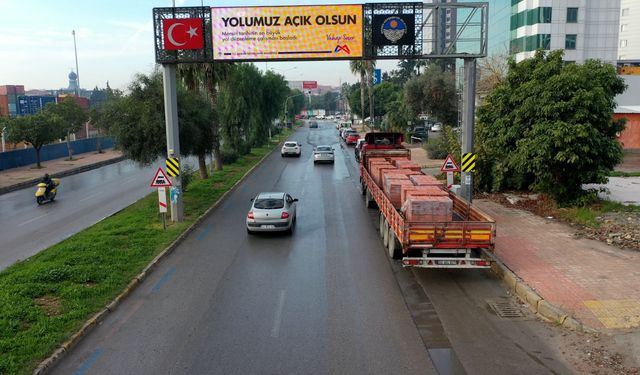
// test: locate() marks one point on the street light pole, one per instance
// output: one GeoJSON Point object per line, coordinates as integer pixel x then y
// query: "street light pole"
{"type": "Point", "coordinates": [75, 49]}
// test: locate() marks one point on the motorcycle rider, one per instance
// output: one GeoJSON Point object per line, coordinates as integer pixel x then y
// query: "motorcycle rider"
{"type": "Point", "coordinates": [49, 182]}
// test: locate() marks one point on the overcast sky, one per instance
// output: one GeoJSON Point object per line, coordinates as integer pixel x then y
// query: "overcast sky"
{"type": "Point", "coordinates": [115, 41]}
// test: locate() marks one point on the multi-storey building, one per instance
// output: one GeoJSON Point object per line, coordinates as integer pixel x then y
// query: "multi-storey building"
{"type": "Point", "coordinates": [585, 29]}
{"type": "Point", "coordinates": [629, 39]}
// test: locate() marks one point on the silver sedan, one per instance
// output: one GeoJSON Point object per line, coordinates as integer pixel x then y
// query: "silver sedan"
{"type": "Point", "coordinates": [323, 153]}
{"type": "Point", "coordinates": [272, 212]}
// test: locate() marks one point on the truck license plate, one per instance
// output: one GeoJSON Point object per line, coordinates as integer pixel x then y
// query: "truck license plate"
{"type": "Point", "coordinates": [268, 226]}
{"type": "Point", "coordinates": [447, 262]}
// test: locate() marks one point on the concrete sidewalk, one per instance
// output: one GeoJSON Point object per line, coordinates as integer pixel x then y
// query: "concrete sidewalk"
{"type": "Point", "coordinates": [18, 178]}
{"type": "Point", "coordinates": [596, 284]}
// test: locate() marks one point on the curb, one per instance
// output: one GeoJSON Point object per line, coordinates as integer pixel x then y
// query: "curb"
{"type": "Point", "coordinates": [68, 172]}
{"type": "Point", "coordinates": [97, 318]}
{"type": "Point", "coordinates": [540, 307]}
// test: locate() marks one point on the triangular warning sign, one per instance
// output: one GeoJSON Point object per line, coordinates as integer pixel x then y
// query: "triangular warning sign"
{"type": "Point", "coordinates": [450, 165]}
{"type": "Point", "coordinates": [161, 179]}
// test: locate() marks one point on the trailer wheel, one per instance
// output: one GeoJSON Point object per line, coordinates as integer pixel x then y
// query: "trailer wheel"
{"type": "Point", "coordinates": [385, 238]}
{"type": "Point", "coordinates": [394, 247]}
{"type": "Point", "coordinates": [369, 199]}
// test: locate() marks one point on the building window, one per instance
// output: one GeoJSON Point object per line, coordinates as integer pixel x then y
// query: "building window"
{"type": "Point", "coordinates": [625, 11]}
{"type": "Point", "coordinates": [570, 41]}
{"type": "Point", "coordinates": [572, 15]}
{"type": "Point", "coordinates": [623, 43]}
{"type": "Point", "coordinates": [531, 17]}
{"type": "Point", "coordinates": [623, 27]}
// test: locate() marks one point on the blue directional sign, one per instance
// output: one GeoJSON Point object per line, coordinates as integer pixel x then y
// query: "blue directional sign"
{"type": "Point", "coordinates": [377, 76]}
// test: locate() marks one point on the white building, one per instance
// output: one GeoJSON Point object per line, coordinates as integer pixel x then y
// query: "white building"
{"type": "Point", "coordinates": [585, 29]}
{"type": "Point", "coordinates": [629, 39]}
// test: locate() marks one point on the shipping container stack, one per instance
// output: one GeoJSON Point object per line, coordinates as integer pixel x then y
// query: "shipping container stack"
{"type": "Point", "coordinates": [9, 100]}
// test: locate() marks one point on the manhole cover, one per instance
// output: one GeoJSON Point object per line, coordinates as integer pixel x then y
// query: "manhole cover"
{"type": "Point", "coordinates": [506, 309]}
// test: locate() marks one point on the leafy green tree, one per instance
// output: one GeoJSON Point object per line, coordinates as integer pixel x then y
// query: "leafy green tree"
{"type": "Point", "coordinates": [274, 91]}
{"type": "Point", "coordinates": [137, 122]}
{"type": "Point", "coordinates": [296, 103]}
{"type": "Point", "coordinates": [73, 117]}
{"type": "Point", "coordinates": [548, 126]}
{"type": "Point", "coordinates": [100, 113]}
{"type": "Point", "coordinates": [37, 130]}
{"type": "Point", "coordinates": [433, 92]}
{"type": "Point", "coordinates": [239, 106]}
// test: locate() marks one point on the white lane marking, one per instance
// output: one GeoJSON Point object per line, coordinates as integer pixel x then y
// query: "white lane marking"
{"type": "Point", "coordinates": [275, 331]}
{"type": "Point", "coordinates": [34, 219]}
{"type": "Point", "coordinates": [89, 197]}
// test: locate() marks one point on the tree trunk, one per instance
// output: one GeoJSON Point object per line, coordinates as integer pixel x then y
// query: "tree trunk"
{"type": "Point", "coordinates": [217, 157]}
{"type": "Point", "coordinates": [98, 144]}
{"type": "Point", "coordinates": [362, 83]}
{"type": "Point", "coordinates": [69, 146]}
{"type": "Point", "coordinates": [38, 157]}
{"type": "Point", "coordinates": [371, 103]}
{"type": "Point", "coordinates": [202, 165]}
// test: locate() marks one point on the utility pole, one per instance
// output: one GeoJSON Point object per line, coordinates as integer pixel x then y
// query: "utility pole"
{"type": "Point", "coordinates": [468, 118]}
{"type": "Point", "coordinates": [75, 49]}
{"type": "Point", "coordinates": [173, 134]}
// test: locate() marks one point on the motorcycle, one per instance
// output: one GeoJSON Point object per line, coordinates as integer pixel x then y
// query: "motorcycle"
{"type": "Point", "coordinates": [42, 195]}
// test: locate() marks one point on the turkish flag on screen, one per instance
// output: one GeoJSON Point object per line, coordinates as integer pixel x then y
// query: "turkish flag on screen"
{"type": "Point", "coordinates": [183, 33]}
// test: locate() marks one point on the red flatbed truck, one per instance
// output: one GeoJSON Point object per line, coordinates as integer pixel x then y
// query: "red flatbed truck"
{"type": "Point", "coordinates": [465, 242]}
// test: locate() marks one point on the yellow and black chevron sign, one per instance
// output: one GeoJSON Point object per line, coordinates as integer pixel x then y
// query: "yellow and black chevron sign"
{"type": "Point", "coordinates": [173, 167]}
{"type": "Point", "coordinates": [469, 162]}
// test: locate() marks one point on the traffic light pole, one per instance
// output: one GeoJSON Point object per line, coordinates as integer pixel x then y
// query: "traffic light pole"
{"type": "Point", "coordinates": [173, 135]}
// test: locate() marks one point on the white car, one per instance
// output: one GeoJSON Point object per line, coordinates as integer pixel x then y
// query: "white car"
{"type": "Point", "coordinates": [437, 127]}
{"type": "Point", "coordinates": [323, 153]}
{"type": "Point", "coordinates": [271, 212]}
{"type": "Point", "coordinates": [291, 148]}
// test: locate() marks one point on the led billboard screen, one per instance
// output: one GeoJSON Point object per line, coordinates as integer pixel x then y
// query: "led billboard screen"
{"type": "Point", "coordinates": [315, 32]}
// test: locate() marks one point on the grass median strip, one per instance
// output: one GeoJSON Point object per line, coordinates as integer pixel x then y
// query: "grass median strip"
{"type": "Point", "coordinates": [47, 298]}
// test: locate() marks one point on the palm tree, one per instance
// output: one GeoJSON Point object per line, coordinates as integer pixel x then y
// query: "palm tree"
{"type": "Point", "coordinates": [358, 67]}
{"type": "Point", "coordinates": [369, 66]}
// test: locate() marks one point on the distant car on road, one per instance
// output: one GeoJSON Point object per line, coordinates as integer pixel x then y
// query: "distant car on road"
{"type": "Point", "coordinates": [313, 125]}
{"type": "Point", "coordinates": [323, 153]}
{"type": "Point", "coordinates": [271, 212]}
{"type": "Point", "coordinates": [437, 127]}
{"type": "Point", "coordinates": [291, 148]}
{"type": "Point", "coordinates": [352, 138]}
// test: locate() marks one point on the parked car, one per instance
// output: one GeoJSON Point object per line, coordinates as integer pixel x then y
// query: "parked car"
{"type": "Point", "coordinates": [419, 134]}
{"type": "Point", "coordinates": [437, 127]}
{"type": "Point", "coordinates": [291, 148]}
{"type": "Point", "coordinates": [352, 138]}
{"type": "Point", "coordinates": [343, 130]}
{"type": "Point", "coordinates": [323, 153]}
{"type": "Point", "coordinates": [271, 212]}
{"type": "Point", "coordinates": [358, 148]}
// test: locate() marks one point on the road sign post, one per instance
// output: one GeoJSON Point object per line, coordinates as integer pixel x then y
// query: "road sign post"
{"type": "Point", "coordinates": [162, 204]}
{"type": "Point", "coordinates": [449, 166]}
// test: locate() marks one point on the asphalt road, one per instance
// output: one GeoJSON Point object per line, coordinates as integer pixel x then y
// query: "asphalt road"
{"type": "Point", "coordinates": [82, 200]}
{"type": "Point", "coordinates": [325, 300]}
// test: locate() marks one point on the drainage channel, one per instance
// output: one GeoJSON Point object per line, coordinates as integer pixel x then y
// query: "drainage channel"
{"type": "Point", "coordinates": [428, 323]}
{"type": "Point", "coordinates": [426, 319]}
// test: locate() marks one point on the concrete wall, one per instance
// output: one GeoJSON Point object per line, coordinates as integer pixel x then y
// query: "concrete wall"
{"type": "Point", "coordinates": [19, 158]}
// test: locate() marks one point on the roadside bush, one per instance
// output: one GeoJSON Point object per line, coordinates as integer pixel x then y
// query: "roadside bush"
{"type": "Point", "coordinates": [228, 156]}
{"type": "Point", "coordinates": [186, 174]}
{"type": "Point", "coordinates": [437, 148]}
